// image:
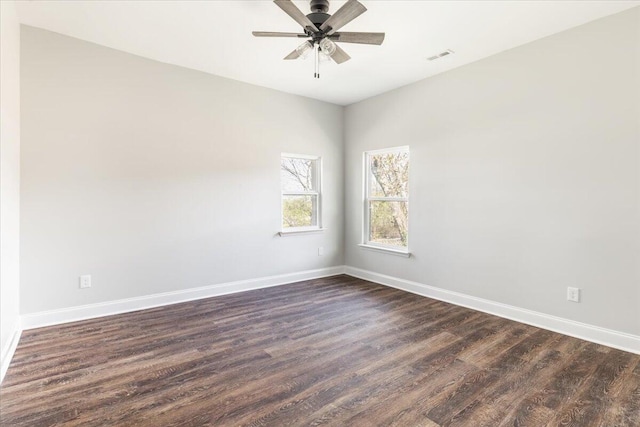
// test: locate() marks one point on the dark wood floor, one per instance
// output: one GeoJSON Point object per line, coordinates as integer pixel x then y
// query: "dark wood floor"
{"type": "Point", "coordinates": [337, 351]}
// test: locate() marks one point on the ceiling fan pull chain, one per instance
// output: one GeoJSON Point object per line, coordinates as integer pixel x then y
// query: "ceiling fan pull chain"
{"type": "Point", "coordinates": [317, 60]}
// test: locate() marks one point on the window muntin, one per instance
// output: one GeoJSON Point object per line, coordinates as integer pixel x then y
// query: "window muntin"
{"type": "Point", "coordinates": [387, 198]}
{"type": "Point", "coordinates": [301, 198]}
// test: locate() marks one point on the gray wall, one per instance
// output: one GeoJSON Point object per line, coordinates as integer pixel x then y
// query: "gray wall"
{"type": "Point", "coordinates": [155, 178]}
{"type": "Point", "coordinates": [525, 175]}
{"type": "Point", "coordinates": [9, 172]}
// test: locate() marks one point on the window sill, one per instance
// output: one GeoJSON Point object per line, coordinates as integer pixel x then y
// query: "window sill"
{"type": "Point", "coordinates": [300, 232]}
{"type": "Point", "coordinates": [397, 252]}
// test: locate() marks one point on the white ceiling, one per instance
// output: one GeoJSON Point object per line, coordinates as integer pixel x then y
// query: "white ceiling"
{"type": "Point", "coordinates": [215, 37]}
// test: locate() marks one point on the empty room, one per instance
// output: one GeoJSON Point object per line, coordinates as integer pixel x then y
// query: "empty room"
{"type": "Point", "coordinates": [304, 213]}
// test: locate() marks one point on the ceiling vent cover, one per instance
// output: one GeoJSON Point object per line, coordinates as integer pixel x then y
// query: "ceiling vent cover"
{"type": "Point", "coordinates": [440, 55]}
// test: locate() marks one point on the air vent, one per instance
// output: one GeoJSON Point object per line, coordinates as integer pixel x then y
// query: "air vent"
{"type": "Point", "coordinates": [440, 55]}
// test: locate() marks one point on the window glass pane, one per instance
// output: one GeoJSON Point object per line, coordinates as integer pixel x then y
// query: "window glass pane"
{"type": "Point", "coordinates": [389, 174]}
{"type": "Point", "coordinates": [299, 211]}
{"type": "Point", "coordinates": [388, 223]}
{"type": "Point", "coordinates": [297, 175]}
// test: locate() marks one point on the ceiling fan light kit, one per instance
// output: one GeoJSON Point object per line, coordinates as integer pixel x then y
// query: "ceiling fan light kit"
{"type": "Point", "coordinates": [303, 50]}
{"type": "Point", "coordinates": [321, 29]}
{"type": "Point", "coordinates": [327, 46]}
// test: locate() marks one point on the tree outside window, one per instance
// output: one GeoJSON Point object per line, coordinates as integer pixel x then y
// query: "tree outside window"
{"type": "Point", "coordinates": [300, 181]}
{"type": "Point", "coordinates": [387, 197]}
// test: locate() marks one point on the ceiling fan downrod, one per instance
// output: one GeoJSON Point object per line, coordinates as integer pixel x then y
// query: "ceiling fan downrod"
{"type": "Point", "coordinates": [319, 6]}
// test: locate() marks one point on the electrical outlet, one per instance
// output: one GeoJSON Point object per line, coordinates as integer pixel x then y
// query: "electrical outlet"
{"type": "Point", "coordinates": [573, 294]}
{"type": "Point", "coordinates": [85, 281]}
{"type": "Point", "coordinates": [320, 251]}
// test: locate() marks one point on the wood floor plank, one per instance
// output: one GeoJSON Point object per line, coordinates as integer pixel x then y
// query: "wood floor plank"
{"type": "Point", "coordinates": [410, 403]}
{"type": "Point", "coordinates": [591, 403]}
{"type": "Point", "coordinates": [491, 405]}
{"type": "Point", "coordinates": [336, 351]}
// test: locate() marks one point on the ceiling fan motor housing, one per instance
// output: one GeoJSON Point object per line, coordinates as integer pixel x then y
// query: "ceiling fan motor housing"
{"type": "Point", "coordinates": [318, 18]}
{"type": "Point", "coordinates": [319, 13]}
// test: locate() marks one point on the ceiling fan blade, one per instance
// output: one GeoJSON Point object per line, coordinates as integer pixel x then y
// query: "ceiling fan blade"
{"type": "Point", "coordinates": [292, 10]}
{"type": "Point", "coordinates": [361, 38]}
{"type": "Point", "coordinates": [347, 13]}
{"type": "Point", "coordinates": [293, 55]}
{"type": "Point", "coordinates": [274, 34]}
{"type": "Point", "coordinates": [340, 56]}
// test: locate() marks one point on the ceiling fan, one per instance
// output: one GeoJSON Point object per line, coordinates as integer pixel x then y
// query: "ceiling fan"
{"type": "Point", "coordinates": [321, 30]}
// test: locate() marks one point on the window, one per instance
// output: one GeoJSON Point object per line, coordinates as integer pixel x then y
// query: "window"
{"type": "Point", "coordinates": [301, 196]}
{"type": "Point", "coordinates": [387, 199]}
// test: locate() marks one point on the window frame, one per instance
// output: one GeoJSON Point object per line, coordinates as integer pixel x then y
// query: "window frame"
{"type": "Point", "coordinates": [366, 224]}
{"type": "Point", "coordinates": [317, 179]}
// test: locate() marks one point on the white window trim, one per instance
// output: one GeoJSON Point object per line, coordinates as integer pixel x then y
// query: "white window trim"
{"type": "Point", "coordinates": [386, 249]}
{"type": "Point", "coordinates": [292, 231]}
{"type": "Point", "coordinates": [366, 243]}
{"type": "Point", "coordinates": [299, 231]}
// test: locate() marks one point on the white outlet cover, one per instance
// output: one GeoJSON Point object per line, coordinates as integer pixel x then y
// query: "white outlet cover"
{"type": "Point", "coordinates": [85, 281]}
{"type": "Point", "coordinates": [573, 294]}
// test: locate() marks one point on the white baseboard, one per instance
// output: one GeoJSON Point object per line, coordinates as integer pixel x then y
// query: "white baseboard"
{"type": "Point", "coordinates": [596, 334]}
{"type": "Point", "coordinates": [9, 349]}
{"type": "Point", "coordinates": [90, 311]}
{"type": "Point", "coordinates": [608, 337]}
